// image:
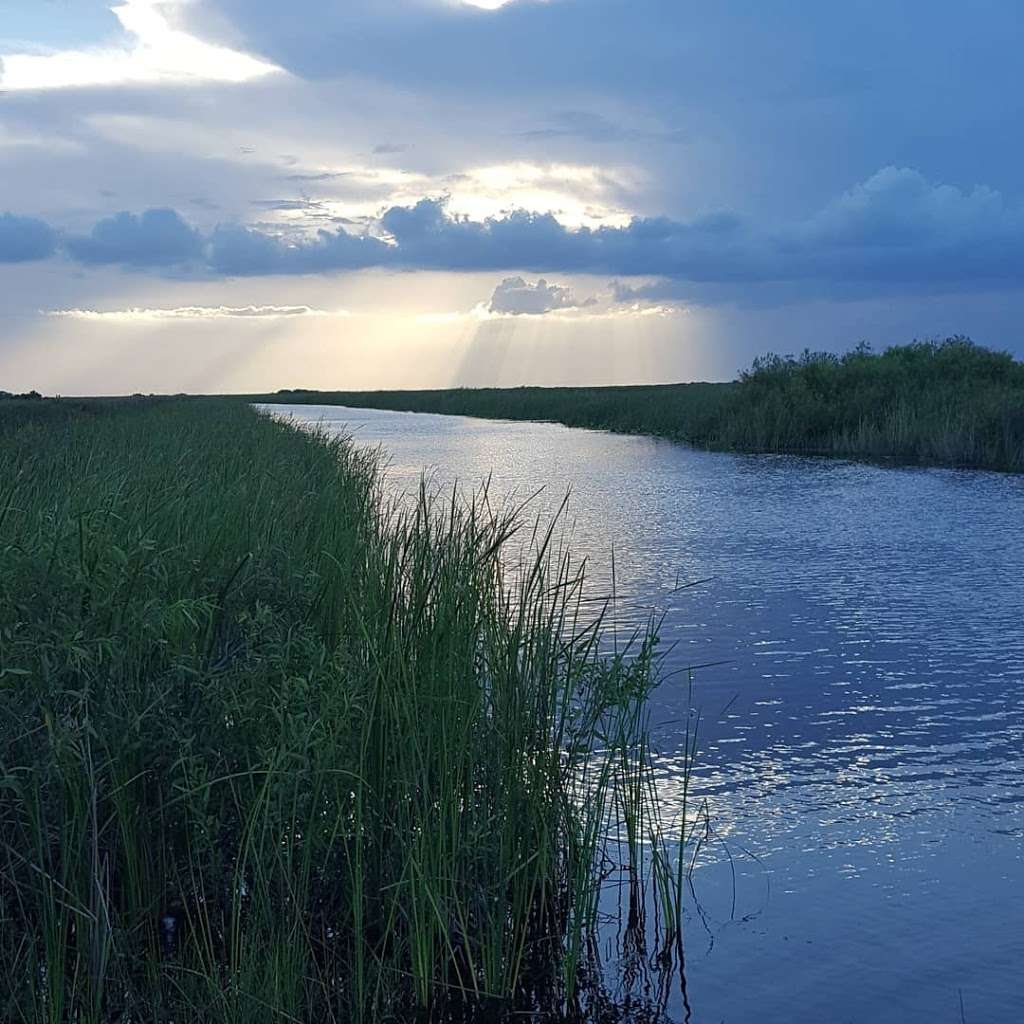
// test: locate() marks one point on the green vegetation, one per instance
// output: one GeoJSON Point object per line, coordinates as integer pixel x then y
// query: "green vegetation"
{"type": "Point", "coordinates": [942, 403]}
{"type": "Point", "coordinates": [947, 403]}
{"type": "Point", "coordinates": [273, 750]}
{"type": "Point", "coordinates": [679, 411]}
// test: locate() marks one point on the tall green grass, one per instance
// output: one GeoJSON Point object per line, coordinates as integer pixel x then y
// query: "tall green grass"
{"type": "Point", "coordinates": [681, 411]}
{"type": "Point", "coordinates": [272, 749]}
{"type": "Point", "coordinates": [947, 403]}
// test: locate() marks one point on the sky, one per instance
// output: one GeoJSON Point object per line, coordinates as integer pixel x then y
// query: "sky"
{"type": "Point", "coordinates": [247, 195]}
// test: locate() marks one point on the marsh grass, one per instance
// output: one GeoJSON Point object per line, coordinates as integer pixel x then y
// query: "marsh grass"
{"type": "Point", "coordinates": [947, 403]}
{"type": "Point", "coordinates": [274, 749]}
{"type": "Point", "coordinates": [680, 411]}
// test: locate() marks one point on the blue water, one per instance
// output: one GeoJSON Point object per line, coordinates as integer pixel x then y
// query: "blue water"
{"type": "Point", "coordinates": [862, 742]}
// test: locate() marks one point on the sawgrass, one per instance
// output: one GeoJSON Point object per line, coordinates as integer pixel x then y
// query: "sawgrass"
{"type": "Point", "coordinates": [947, 403]}
{"type": "Point", "coordinates": [272, 749]}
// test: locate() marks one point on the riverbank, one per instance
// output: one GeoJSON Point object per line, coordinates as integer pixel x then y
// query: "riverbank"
{"type": "Point", "coordinates": [948, 403]}
{"type": "Point", "coordinates": [271, 750]}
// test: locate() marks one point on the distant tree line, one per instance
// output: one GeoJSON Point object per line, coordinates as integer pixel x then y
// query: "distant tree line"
{"type": "Point", "coordinates": [31, 396]}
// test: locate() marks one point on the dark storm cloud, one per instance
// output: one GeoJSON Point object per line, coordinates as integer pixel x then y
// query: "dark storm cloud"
{"type": "Point", "coordinates": [25, 238]}
{"type": "Point", "coordinates": [428, 236]}
{"type": "Point", "coordinates": [155, 238]}
{"type": "Point", "coordinates": [894, 229]}
{"type": "Point", "coordinates": [240, 251]}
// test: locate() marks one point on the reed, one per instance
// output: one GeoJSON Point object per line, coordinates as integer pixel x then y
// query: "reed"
{"type": "Point", "coordinates": [275, 749]}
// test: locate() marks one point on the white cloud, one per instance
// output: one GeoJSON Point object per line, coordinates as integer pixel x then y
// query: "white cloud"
{"type": "Point", "coordinates": [137, 315]}
{"type": "Point", "coordinates": [516, 296]}
{"type": "Point", "coordinates": [152, 50]}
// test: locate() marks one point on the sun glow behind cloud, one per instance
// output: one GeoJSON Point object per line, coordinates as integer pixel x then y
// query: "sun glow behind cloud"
{"type": "Point", "coordinates": [579, 195]}
{"type": "Point", "coordinates": [331, 182]}
{"type": "Point", "coordinates": [152, 51]}
{"type": "Point", "coordinates": [374, 329]}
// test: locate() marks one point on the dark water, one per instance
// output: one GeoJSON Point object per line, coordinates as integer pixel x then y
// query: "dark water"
{"type": "Point", "coordinates": [862, 749]}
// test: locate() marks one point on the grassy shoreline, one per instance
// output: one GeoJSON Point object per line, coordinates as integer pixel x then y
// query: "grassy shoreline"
{"type": "Point", "coordinates": [273, 750]}
{"type": "Point", "coordinates": [949, 403]}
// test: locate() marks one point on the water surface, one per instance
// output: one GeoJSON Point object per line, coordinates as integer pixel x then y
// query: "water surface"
{"type": "Point", "coordinates": [862, 745]}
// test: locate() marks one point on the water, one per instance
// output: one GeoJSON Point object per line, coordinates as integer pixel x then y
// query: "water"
{"type": "Point", "coordinates": [861, 747]}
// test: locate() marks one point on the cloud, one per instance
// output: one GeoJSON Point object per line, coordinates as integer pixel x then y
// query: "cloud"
{"type": "Point", "coordinates": [25, 238]}
{"type": "Point", "coordinates": [288, 205]}
{"type": "Point", "coordinates": [677, 56]}
{"type": "Point", "coordinates": [782, 107]}
{"type": "Point", "coordinates": [236, 250]}
{"type": "Point", "coordinates": [899, 206]}
{"type": "Point", "coordinates": [155, 238]}
{"type": "Point", "coordinates": [776, 102]}
{"type": "Point", "coordinates": [150, 49]}
{"type": "Point", "coordinates": [592, 310]}
{"type": "Point", "coordinates": [426, 235]}
{"type": "Point", "coordinates": [899, 227]}
{"type": "Point", "coordinates": [515, 295]}
{"type": "Point", "coordinates": [895, 229]}
{"type": "Point", "coordinates": [137, 314]}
